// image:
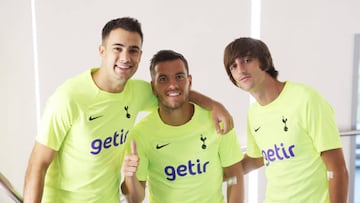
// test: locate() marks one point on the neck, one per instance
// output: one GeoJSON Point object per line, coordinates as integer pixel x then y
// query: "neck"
{"type": "Point", "coordinates": [105, 83]}
{"type": "Point", "coordinates": [268, 91]}
{"type": "Point", "coordinates": [178, 116]}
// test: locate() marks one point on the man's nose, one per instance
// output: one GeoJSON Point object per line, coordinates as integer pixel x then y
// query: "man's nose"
{"type": "Point", "coordinates": [240, 64]}
{"type": "Point", "coordinates": [173, 83]}
{"type": "Point", "coordinates": [124, 56]}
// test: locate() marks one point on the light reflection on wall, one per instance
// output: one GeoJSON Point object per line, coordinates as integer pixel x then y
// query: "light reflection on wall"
{"type": "Point", "coordinates": [255, 33]}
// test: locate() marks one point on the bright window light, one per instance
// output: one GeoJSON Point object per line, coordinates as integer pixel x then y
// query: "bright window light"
{"type": "Point", "coordinates": [36, 62]}
{"type": "Point", "coordinates": [255, 33]}
{"type": "Point", "coordinates": [255, 18]}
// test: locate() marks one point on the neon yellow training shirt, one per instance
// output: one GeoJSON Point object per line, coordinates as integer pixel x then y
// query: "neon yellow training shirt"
{"type": "Point", "coordinates": [184, 163]}
{"type": "Point", "coordinates": [290, 133]}
{"type": "Point", "coordinates": [88, 128]}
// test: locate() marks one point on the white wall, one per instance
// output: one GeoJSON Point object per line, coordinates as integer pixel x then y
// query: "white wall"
{"type": "Point", "coordinates": [17, 120]}
{"type": "Point", "coordinates": [311, 42]}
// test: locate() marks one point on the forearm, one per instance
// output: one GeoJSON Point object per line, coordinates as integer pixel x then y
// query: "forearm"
{"type": "Point", "coordinates": [235, 191]}
{"type": "Point", "coordinates": [34, 185]}
{"type": "Point", "coordinates": [337, 175]}
{"type": "Point", "coordinates": [235, 183]}
{"type": "Point", "coordinates": [338, 186]}
{"type": "Point", "coordinates": [201, 100]}
{"type": "Point", "coordinates": [133, 189]}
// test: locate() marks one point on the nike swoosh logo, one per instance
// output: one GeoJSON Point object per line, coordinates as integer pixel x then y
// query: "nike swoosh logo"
{"type": "Point", "coordinates": [93, 118]}
{"type": "Point", "coordinates": [257, 129]}
{"type": "Point", "coordinates": [161, 146]}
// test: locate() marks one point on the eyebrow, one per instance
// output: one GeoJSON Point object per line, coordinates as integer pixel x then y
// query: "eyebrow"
{"type": "Point", "coordinates": [176, 74]}
{"type": "Point", "coordinates": [133, 46]}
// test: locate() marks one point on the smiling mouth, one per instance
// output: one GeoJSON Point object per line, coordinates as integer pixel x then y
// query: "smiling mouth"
{"type": "Point", "coordinates": [120, 69]}
{"type": "Point", "coordinates": [173, 94]}
{"type": "Point", "coordinates": [123, 67]}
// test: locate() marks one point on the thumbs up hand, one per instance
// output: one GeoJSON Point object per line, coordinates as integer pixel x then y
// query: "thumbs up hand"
{"type": "Point", "coordinates": [131, 161]}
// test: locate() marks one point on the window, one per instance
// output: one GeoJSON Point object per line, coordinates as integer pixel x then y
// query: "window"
{"type": "Point", "coordinates": [353, 192]}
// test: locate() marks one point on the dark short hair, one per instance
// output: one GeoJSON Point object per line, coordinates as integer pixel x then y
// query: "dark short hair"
{"type": "Point", "coordinates": [126, 23]}
{"type": "Point", "coordinates": [166, 55]}
{"type": "Point", "coordinates": [249, 47]}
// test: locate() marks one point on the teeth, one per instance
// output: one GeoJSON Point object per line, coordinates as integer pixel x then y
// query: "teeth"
{"type": "Point", "coordinates": [122, 67]}
{"type": "Point", "coordinates": [173, 94]}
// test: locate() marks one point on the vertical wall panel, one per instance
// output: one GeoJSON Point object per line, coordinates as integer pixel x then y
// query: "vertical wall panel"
{"type": "Point", "coordinates": [312, 42]}
{"type": "Point", "coordinates": [17, 120]}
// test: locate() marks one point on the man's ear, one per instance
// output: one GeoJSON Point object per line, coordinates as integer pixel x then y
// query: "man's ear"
{"type": "Point", "coordinates": [153, 88]}
{"type": "Point", "coordinates": [101, 50]}
{"type": "Point", "coordinates": [190, 81]}
{"type": "Point", "coordinates": [140, 55]}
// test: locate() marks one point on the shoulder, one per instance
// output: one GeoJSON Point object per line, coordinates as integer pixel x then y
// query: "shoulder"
{"type": "Point", "coordinates": [307, 95]}
{"type": "Point", "coordinates": [301, 88]}
{"type": "Point", "coordinates": [76, 88]}
{"type": "Point", "coordinates": [138, 87]}
{"type": "Point", "coordinates": [202, 118]}
{"type": "Point", "coordinates": [138, 83]}
{"type": "Point", "coordinates": [304, 91]}
{"type": "Point", "coordinates": [200, 112]}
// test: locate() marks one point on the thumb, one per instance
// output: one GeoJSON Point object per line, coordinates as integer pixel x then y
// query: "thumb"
{"type": "Point", "coordinates": [133, 147]}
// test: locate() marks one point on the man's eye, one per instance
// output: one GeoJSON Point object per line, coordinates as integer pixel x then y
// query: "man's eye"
{"type": "Point", "coordinates": [162, 79]}
{"type": "Point", "coordinates": [247, 60]}
{"type": "Point", "coordinates": [232, 66]}
{"type": "Point", "coordinates": [134, 51]}
{"type": "Point", "coordinates": [180, 77]}
{"type": "Point", "coordinates": [118, 49]}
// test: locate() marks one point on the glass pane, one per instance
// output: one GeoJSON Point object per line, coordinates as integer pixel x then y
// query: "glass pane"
{"type": "Point", "coordinates": [357, 150]}
{"type": "Point", "coordinates": [357, 165]}
{"type": "Point", "coordinates": [357, 170]}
